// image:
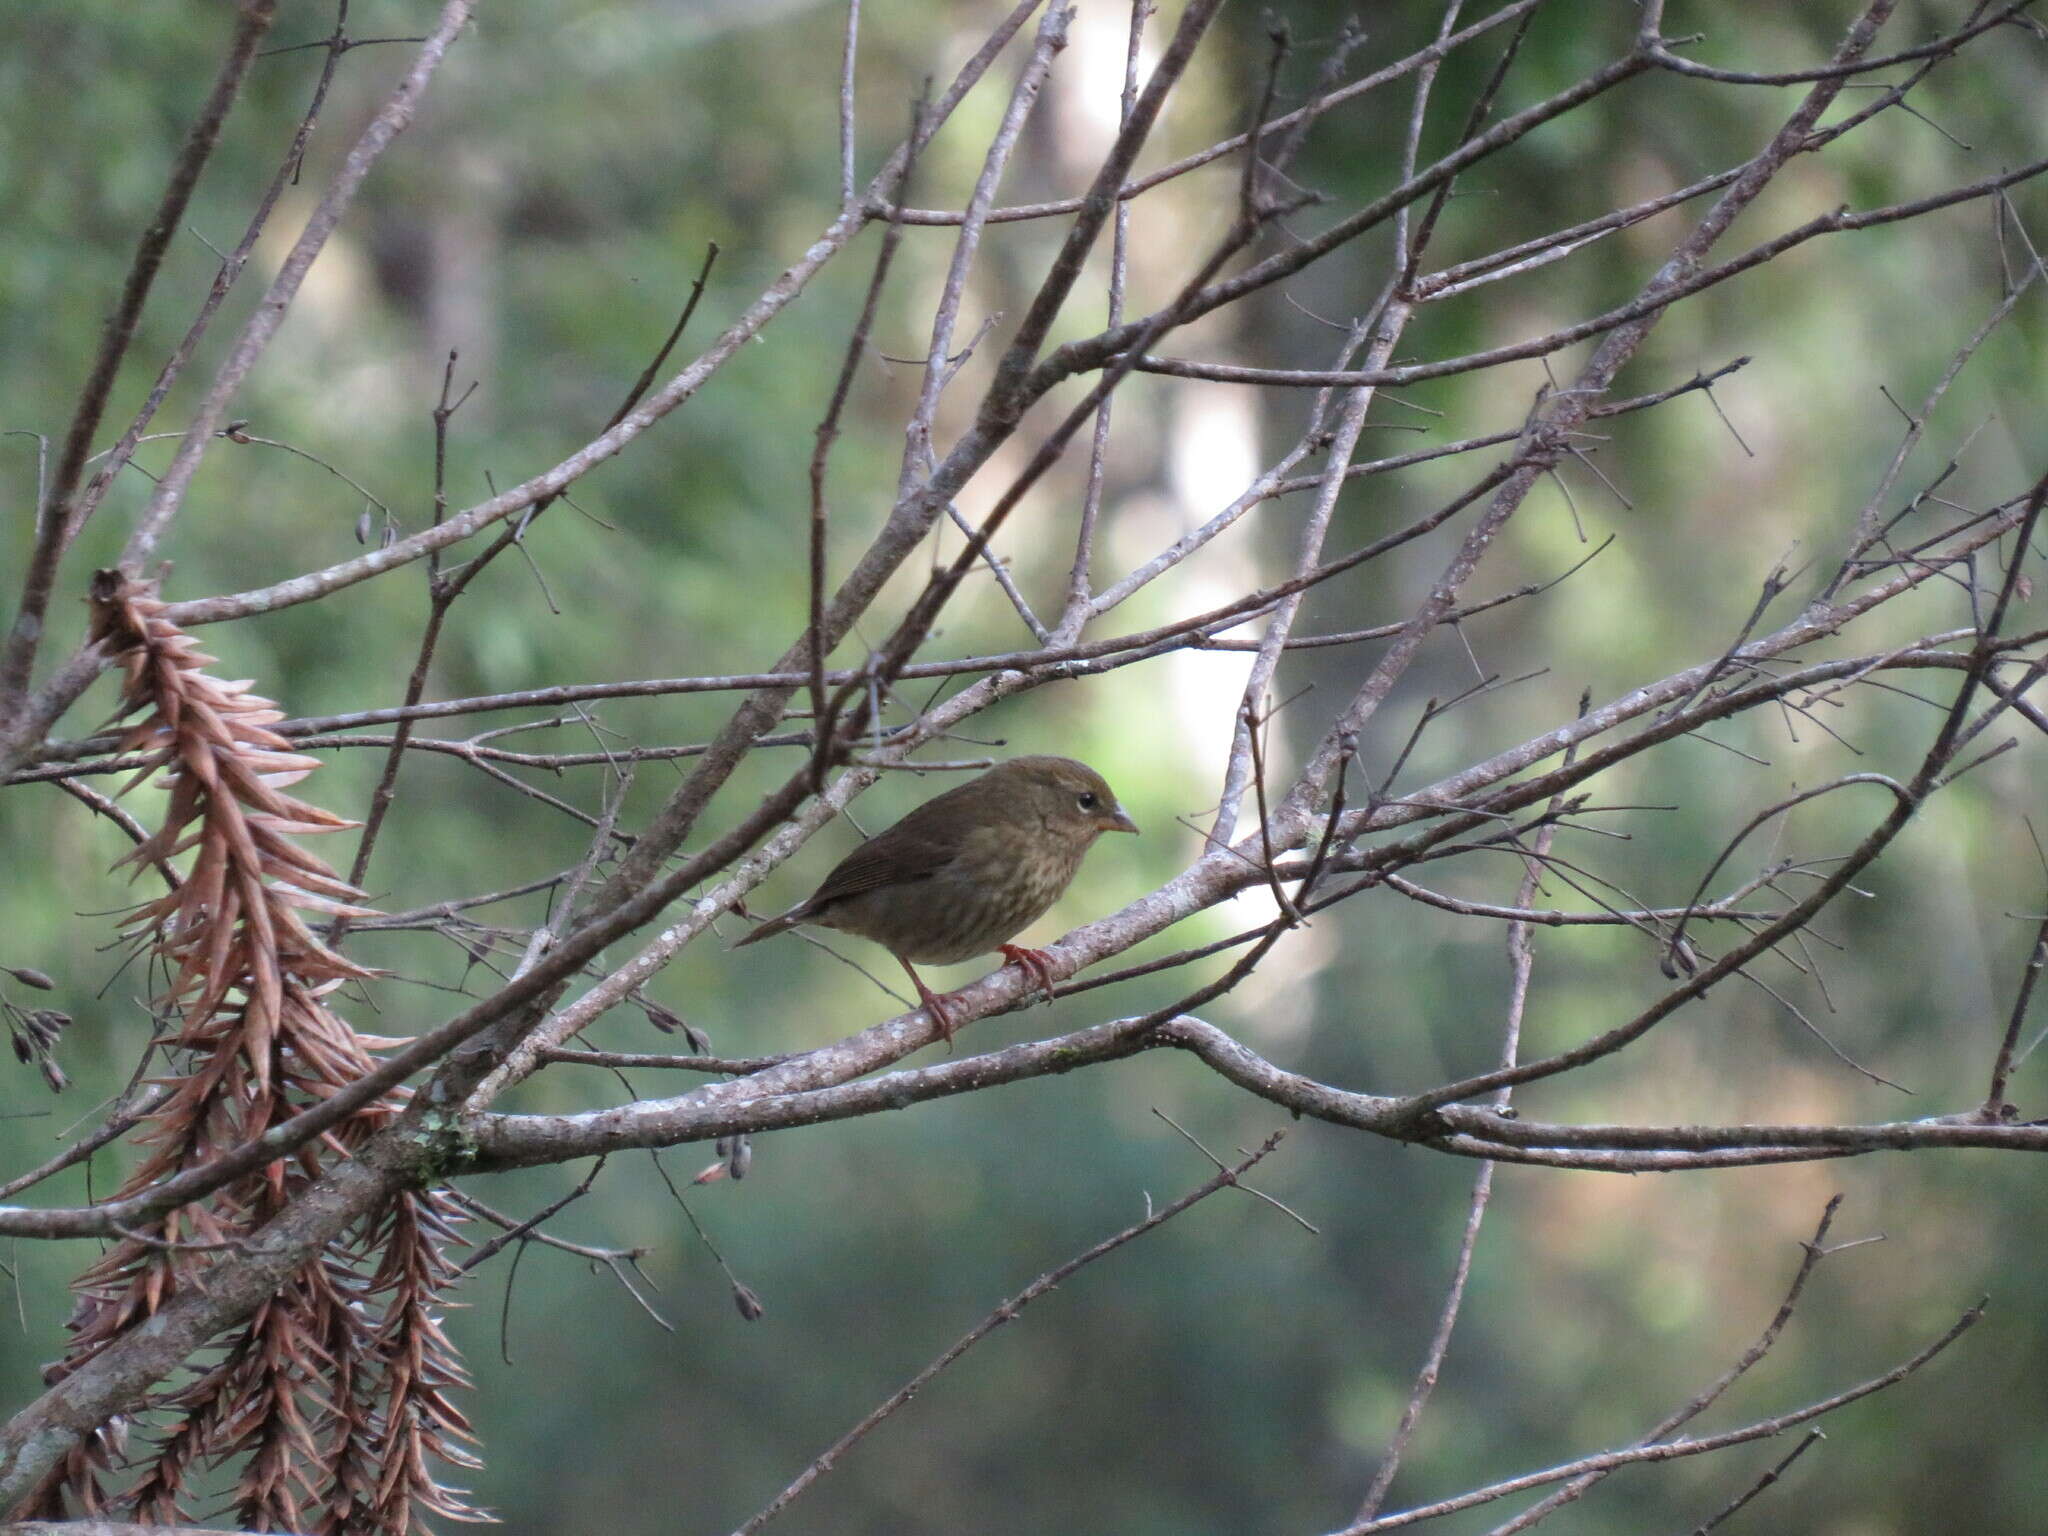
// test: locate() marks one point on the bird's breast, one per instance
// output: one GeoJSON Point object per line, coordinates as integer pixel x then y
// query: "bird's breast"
{"type": "Point", "coordinates": [979, 901]}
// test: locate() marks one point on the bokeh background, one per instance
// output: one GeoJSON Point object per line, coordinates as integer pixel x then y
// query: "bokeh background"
{"type": "Point", "coordinates": [1231, 1373]}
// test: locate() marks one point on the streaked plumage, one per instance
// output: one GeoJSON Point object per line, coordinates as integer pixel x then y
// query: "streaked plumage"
{"type": "Point", "coordinates": [967, 869]}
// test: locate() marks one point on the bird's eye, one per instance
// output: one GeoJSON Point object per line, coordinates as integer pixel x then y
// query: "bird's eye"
{"type": "Point", "coordinates": [1088, 800]}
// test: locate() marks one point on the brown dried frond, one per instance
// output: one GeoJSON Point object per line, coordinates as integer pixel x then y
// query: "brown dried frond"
{"type": "Point", "coordinates": [402, 1420]}
{"type": "Point", "coordinates": [350, 1455]}
{"type": "Point", "coordinates": [279, 1402]}
{"type": "Point", "coordinates": [422, 1425]}
{"type": "Point", "coordinates": [78, 1476]}
{"type": "Point", "coordinates": [333, 1408]}
{"type": "Point", "coordinates": [235, 922]}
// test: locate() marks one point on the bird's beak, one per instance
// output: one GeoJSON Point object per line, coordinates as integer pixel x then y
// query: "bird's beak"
{"type": "Point", "coordinates": [1120, 822]}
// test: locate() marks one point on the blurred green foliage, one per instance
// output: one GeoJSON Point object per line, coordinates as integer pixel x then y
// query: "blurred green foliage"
{"type": "Point", "coordinates": [543, 219]}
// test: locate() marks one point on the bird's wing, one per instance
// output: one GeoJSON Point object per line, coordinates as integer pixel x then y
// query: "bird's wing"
{"type": "Point", "coordinates": [918, 847]}
{"type": "Point", "coordinates": [902, 855]}
{"type": "Point", "coordinates": [888, 859]}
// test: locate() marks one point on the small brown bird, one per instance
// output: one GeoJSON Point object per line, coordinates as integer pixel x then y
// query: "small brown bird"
{"type": "Point", "coordinates": [967, 869]}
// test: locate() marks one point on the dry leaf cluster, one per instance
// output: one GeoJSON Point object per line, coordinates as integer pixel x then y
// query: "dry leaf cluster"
{"type": "Point", "coordinates": [335, 1396]}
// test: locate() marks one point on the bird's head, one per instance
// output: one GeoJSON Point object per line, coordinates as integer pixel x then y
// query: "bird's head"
{"type": "Point", "coordinates": [1070, 797]}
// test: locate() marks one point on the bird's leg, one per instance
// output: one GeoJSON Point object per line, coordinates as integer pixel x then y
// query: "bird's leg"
{"type": "Point", "coordinates": [1034, 963]}
{"type": "Point", "coordinates": [932, 1003]}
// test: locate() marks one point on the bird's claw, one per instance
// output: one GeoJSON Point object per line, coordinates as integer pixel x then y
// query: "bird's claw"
{"type": "Point", "coordinates": [936, 1007]}
{"type": "Point", "coordinates": [1034, 963]}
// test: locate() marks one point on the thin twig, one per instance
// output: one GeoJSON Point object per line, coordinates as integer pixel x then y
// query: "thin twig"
{"type": "Point", "coordinates": [1521, 961]}
{"type": "Point", "coordinates": [828, 427]}
{"type": "Point", "coordinates": [1007, 1311]}
{"type": "Point", "coordinates": [1762, 1483]}
{"type": "Point", "coordinates": [1662, 1451]}
{"type": "Point", "coordinates": [54, 512]}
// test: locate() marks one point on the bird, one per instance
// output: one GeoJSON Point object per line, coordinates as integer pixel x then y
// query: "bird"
{"type": "Point", "coordinates": [962, 873]}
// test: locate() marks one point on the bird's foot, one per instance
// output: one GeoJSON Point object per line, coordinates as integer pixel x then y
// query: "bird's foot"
{"type": "Point", "coordinates": [1034, 963]}
{"type": "Point", "coordinates": [935, 1005]}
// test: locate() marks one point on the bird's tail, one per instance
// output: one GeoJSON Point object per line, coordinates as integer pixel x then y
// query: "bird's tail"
{"type": "Point", "coordinates": [772, 927]}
